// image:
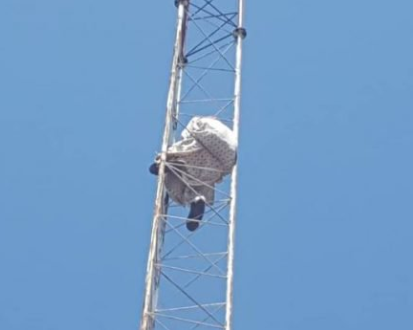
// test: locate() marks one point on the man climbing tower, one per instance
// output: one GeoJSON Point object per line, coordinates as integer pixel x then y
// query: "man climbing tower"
{"type": "Point", "coordinates": [205, 154]}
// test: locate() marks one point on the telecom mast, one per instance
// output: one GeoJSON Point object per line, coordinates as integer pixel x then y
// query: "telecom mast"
{"type": "Point", "coordinates": [189, 274]}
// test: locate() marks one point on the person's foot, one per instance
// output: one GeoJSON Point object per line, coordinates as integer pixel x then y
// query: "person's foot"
{"type": "Point", "coordinates": [154, 169]}
{"type": "Point", "coordinates": [192, 225]}
{"type": "Point", "coordinates": [195, 214]}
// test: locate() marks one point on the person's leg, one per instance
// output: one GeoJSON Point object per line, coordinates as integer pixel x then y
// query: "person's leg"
{"type": "Point", "coordinates": [195, 214]}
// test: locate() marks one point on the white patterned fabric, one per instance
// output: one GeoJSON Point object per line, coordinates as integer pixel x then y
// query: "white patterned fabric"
{"type": "Point", "coordinates": [205, 154]}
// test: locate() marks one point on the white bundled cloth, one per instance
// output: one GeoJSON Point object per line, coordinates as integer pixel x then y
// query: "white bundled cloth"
{"type": "Point", "coordinates": [206, 153]}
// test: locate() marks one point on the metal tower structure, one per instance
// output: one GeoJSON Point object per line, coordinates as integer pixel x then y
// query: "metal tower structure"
{"type": "Point", "coordinates": [189, 281]}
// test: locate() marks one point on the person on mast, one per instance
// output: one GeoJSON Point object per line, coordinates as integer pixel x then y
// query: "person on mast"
{"type": "Point", "coordinates": [205, 154]}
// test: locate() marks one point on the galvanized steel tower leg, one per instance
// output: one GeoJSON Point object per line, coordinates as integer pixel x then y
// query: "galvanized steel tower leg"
{"type": "Point", "coordinates": [157, 236]}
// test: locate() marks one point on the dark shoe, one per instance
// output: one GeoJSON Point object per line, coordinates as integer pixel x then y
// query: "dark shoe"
{"type": "Point", "coordinates": [192, 225]}
{"type": "Point", "coordinates": [154, 169]}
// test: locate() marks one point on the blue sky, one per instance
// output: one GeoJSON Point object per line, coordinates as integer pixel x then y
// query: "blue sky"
{"type": "Point", "coordinates": [325, 232]}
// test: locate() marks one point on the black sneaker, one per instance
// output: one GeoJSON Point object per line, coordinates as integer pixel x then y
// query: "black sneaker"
{"type": "Point", "coordinates": [192, 225]}
{"type": "Point", "coordinates": [154, 169]}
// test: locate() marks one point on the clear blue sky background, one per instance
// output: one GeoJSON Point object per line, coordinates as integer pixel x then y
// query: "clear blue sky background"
{"type": "Point", "coordinates": [325, 226]}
